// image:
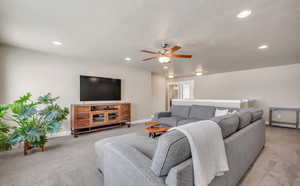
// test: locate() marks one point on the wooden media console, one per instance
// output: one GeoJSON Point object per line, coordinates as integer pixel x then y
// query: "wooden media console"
{"type": "Point", "coordinates": [95, 117]}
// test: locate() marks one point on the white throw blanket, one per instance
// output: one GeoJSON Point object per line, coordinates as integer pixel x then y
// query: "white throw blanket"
{"type": "Point", "coordinates": [208, 150]}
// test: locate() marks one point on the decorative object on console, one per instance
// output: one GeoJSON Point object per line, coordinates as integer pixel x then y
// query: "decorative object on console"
{"type": "Point", "coordinates": [34, 119]}
{"type": "Point", "coordinates": [95, 117]}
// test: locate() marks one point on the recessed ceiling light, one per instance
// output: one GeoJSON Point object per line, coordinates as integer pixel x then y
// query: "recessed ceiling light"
{"type": "Point", "coordinates": [171, 76]}
{"type": "Point", "coordinates": [165, 67]}
{"type": "Point", "coordinates": [263, 47]}
{"type": "Point", "coordinates": [127, 58]}
{"type": "Point", "coordinates": [199, 73]}
{"type": "Point", "coordinates": [57, 43]}
{"type": "Point", "coordinates": [244, 14]}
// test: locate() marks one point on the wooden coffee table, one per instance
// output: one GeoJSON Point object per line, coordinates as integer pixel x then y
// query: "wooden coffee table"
{"type": "Point", "coordinates": [156, 131]}
{"type": "Point", "coordinates": [152, 123]}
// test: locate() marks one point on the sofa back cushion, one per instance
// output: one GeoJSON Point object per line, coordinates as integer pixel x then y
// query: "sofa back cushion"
{"type": "Point", "coordinates": [202, 112]}
{"type": "Point", "coordinates": [173, 148]}
{"type": "Point", "coordinates": [180, 111]}
{"type": "Point", "coordinates": [229, 124]}
{"type": "Point", "coordinates": [245, 118]}
{"type": "Point", "coordinates": [256, 114]}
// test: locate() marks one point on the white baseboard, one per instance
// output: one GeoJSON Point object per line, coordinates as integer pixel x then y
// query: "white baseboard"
{"type": "Point", "coordinates": [68, 133]}
{"type": "Point", "coordinates": [59, 134]}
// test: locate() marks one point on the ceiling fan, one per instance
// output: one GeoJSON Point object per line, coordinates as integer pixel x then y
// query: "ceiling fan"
{"type": "Point", "coordinates": [165, 54]}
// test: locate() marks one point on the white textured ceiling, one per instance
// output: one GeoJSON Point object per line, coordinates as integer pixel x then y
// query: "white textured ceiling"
{"type": "Point", "coordinates": [110, 30]}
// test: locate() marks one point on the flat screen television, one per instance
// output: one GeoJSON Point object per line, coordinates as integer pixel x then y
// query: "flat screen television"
{"type": "Point", "coordinates": [99, 89]}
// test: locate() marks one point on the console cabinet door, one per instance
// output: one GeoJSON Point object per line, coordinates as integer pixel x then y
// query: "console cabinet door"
{"type": "Point", "coordinates": [82, 117]}
{"type": "Point", "coordinates": [125, 112]}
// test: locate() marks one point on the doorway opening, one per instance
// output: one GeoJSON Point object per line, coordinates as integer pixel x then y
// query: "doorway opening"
{"type": "Point", "coordinates": [180, 90]}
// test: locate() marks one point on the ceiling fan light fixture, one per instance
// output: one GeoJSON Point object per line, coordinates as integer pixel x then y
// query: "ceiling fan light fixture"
{"type": "Point", "coordinates": [164, 59]}
{"type": "Point", "coordinates": [199, 73]}
{"type": "Point", "coordinates": [171, 76]}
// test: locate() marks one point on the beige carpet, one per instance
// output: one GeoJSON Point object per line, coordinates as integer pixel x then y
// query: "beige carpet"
{"type": "Point", "coordinates": [71, 161]}
{"type": "Point", "coordinates": [279, 163]}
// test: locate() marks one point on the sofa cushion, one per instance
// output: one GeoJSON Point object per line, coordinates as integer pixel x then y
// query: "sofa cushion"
{"type": "Point", "coordinates": [245, 118]}
{"type": "Point", "coordinates": [183, 122]}
{"type": "Point", "coordinates": [229, 124]}
{"type": "Point", "coordinates": [172, 149]}
{"type": "Point", "coordinates": [140, 142]}
{"type": "Point", "coordinates": [180, 111]}
{"type": "Point", "coordinates": [158, 115]}
{"type": "Point", "coordinates": [256, 114]}
{"type": "Point", "coordinates": [202, 112]}
{"type": "Point", "coordinates": [170, 121]}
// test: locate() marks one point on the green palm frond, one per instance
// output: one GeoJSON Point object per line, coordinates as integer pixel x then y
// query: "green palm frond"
{"type": "Point", "coordinates": [4, 142]}
{"type": "Point", "coordinates": [3, 110]}
{"type": "Point", "coordinates": [47, 99]}
{"type": "Point", "coordinates": [4, 127]}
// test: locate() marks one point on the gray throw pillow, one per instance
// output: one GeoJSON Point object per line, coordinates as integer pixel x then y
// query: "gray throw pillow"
{"type": "Point", "coordinates": [181, 111]}
{"type": "Point", "coordinates": [229, 124]}
{"type": "Point", "coordinates": [255, 113]}
{"type": "Point", "coordinates": [172, 149]}
{"type": "Point", "coordinates": [245, 118]}
{"type": "Point", "coordinates": [202, 112]}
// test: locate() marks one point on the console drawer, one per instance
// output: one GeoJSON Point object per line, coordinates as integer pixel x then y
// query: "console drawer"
{"type": "Point", "coordinates": [83, 109]}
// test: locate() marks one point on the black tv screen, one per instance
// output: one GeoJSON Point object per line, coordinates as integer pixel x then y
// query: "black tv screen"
{"type": "Point", "coordinates": [99, 89]}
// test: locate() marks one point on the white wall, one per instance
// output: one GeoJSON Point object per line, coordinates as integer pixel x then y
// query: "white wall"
{"type": "Point", "coordinates": [24, 71]}
{"type": "Point", "coordinates": [272, 86]}
{"type": "Point", "coordinates": [159, 93]}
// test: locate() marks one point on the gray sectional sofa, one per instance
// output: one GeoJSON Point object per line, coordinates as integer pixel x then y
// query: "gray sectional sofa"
{"type": "Point", "coordinates": [137, 160]}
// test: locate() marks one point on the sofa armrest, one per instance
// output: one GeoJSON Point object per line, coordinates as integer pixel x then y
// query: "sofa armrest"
{"type": "Point", "coordinates": [181, 175]}
{"type": "Point", "coordinates": [125, 165]}
{"type": "Point", "coordinates": [160, 115]}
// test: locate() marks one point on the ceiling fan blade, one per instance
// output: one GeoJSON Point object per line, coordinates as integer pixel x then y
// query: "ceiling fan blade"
{"type": "Point", "coordinates": [147, 51]}
{"type": "Point", "coordinates": [173, 49]}
{"type": "Point", "coordinates": [181, 56]}
{"type": "Point", "coordinates": [150, 58]}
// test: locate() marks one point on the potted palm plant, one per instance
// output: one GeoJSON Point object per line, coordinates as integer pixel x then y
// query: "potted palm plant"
{"type": "Point", "coordinates": [33, 121]}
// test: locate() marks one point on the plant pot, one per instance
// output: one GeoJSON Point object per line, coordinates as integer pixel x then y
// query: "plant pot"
{"type": "Point", "coordinates": [28, 147]}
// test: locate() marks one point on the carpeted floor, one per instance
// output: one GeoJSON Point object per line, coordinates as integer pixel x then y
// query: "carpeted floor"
{"type": "Point", "coordinates": [71, 161]}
